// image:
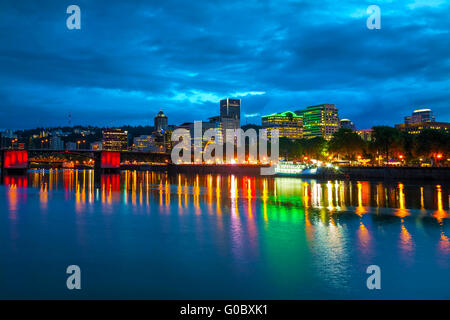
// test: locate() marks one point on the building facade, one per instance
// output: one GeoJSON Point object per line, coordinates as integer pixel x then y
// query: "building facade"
{"type": "Point", "coordinates": [161, 122]}
{"type": "Point", "coordinates": [56, 143]}
{"type": "Point", "coordinates": [416, 128]}
{"type": "Point", "coordinates": [319, 121]}
{"type": "Point", "coordinates": [96, 146]}
{"type": "Point", "coordinates": [347, 124]}
{"type": "Point", "coordinates": [144, 143]}
{"type": "Point", "coordinates": [365, 134]}
{"type": "Point", "coordinates": [288, 124]}
{"type": "Point", "coordinates": [230, 114]}
{"type": "Point", "coordinates": [115, 140]}
{"type": "Point", "coordinates": [419, 116]}
{"type": "Point", "coordinates": [206, 125]}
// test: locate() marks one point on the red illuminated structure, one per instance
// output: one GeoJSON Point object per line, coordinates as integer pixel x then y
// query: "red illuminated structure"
{"type": "Point", "coordinates": [14, 161]}
{"type": "Point", "coordinates": [110, 160]}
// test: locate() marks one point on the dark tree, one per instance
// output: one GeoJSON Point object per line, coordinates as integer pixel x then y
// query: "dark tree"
{"type": "Point", "coordinates": [346, 143]}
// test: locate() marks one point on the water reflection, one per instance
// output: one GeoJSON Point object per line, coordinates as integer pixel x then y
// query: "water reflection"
{"type": "Point", "coordinates": [219, 192]}
{"type": "Point", "coordinates": [291, 223]}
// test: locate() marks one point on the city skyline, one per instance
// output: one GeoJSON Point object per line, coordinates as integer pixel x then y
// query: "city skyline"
{"type": "Point", "coordinates": [151, 122]}
{"type": "Point", "coordinates": [221, 158]}
{"type": "Point", "coordinates": [117, 70]}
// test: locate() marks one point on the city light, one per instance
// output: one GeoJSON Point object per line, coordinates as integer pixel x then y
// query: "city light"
{"type": "Point", "coordinates": [225, 150]}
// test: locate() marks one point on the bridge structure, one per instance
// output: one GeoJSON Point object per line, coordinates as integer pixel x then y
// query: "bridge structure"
{"type": "Point", "coordinates": [18, 161]}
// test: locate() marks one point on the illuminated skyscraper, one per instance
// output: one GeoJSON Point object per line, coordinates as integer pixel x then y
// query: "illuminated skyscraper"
{"type": "Point", "coordinates": [115, 140]}
{"type": "Point", "coordinates": [289, 124]}
{"type": "Point", "coordinates": [161, 122]}
{"type": "Point", "coordinates": [348, 124]}
{"type": "Point", "coordinates": [230, 114]}
{"type": "Point", "coordinates": [319, 121]}
{"type": "Point", "coordinates": [420, 116]}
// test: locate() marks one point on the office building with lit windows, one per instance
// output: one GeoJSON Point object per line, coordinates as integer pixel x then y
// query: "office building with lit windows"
{"type": "Point", "coordinates": [162, 133]}
{"type": "Point", "coordinates": [230, 114]}
{"type": "Point", "coordinates": [416, 128]}
{"type": "Point", "coordinates": [289, 124]}
{"type": "Point", "coordinates": [115, 140]}
{"type": "Point", "coordinates": [213, 123]}
{"type": "Point", "coordinates": [365, 134]}
{"type": "Point", "coordinates": [145, 143]}
{"type": "Point", "coordinates": [161, 122]}
{"type": "Point", "coordinates": [347, 124]}
{"type": "Point", "coordinates": [319, 121]}
{"type": "Point", "coordinates": [419, 116]}
{"type": "Point", "coordinates": [56, 143]}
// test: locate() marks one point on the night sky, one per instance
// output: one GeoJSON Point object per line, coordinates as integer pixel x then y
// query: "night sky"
{"type": "Point", "coordinates": [132, 58]}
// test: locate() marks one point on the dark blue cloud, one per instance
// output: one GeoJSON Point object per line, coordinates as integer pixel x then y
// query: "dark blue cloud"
{"type": "Point", "coordinates": [132, 58]}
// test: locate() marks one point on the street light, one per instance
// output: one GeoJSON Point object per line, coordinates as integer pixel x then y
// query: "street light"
{"type": "Point", "coordinates": [438, 157]}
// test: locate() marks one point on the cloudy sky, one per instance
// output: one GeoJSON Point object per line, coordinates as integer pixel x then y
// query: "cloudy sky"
{"type": "Point", "coordinates": [132, 58]}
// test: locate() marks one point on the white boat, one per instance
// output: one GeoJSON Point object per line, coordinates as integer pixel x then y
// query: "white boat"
{"type": "Point", "coordinates": [289, 168]}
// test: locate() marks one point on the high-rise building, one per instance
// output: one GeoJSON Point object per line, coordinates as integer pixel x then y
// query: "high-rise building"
{"type": "Point", "coordinates": [161, 122]}
{"type": "Point", "coordinates": [230, 114]}
{"type": "Point", "coordinates": [215, 123]}
{"type": "Point", "coordinates": [416, 128]}
{"type": "Point", "coordinates": [319, 121]}
{"type": "Point", "coordinates": [4, 141]}
{"type": "Point", "coordinates": [348, 124]}
{"type": "Point", "coordinates": [230, 108]}
{"type": "Point", "coordinates": [289, 124]}
{"type": "Point", "coordinates": [56, 143]}
{"type": "Point", "coordinates": [115, 140]}
{"type": "Point", "coordinates": [365, 134]}
{"type": "Point", "coordinates": [206, 125]}
{"type": "Point", "coordinates": [420, 116]}
{"type": "Point", "coordinates": [144, 143]}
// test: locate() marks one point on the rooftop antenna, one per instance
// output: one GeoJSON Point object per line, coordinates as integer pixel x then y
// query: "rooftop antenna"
{"type": "Point", "coordinates": [70, 120]}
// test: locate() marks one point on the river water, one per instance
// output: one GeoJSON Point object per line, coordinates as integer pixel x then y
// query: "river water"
{"type": "Point", "coordinates": [150, 235]}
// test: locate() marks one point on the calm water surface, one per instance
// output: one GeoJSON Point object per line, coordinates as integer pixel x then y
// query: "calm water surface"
{"type": "Point", "coordinates": [150, 235]}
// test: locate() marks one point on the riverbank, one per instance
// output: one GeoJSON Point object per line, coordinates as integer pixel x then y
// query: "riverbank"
{"type": "Point", "coordinates": [390, 173]}
{"type": "Point", "coordinates": [364, 173]}
{"type": "Point", "coordinates": [322, 173]}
